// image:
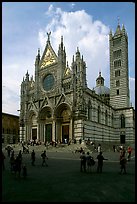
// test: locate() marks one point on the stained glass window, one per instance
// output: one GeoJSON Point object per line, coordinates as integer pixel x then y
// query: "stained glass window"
{"type": "Point", "coordinates": [48, 82]}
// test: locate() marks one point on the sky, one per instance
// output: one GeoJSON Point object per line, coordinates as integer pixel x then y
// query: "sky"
{"type": "Point", "coordinates": [85, 25]}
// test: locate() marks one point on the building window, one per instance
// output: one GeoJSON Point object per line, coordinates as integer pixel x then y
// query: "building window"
{"type": "Point", "coordinates": [117, 63]}
{"type": "Point", "coordinates": [117, 73]}
{"type": "Point", "coordinates": [48, 82]}
{"type": "Point", "coordinates": [117, 83]}
{"type": "Point", "coordinates": [117, 54]}
{"type": "Point", "coordinates": [98, 114]}
{"type": "Point", "coordinates": [122, 121]}
{"type": "Point", "coordinates": [117, 91]}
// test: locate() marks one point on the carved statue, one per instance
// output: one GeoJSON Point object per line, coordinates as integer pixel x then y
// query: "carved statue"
{"type": "Point", "coordinates": [49, 35]}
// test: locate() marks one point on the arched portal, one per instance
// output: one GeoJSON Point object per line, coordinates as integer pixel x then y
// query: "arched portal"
{"type": "Point", "coordinates": [32, 129]}
{"type": "Point", "coordinates": [63, 123]}
{"type": "Point", "coordinates": [45, 124]}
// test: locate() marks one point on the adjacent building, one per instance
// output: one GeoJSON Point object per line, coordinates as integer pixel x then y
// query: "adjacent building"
{"type": "Point", "coordinates": [10, 128]}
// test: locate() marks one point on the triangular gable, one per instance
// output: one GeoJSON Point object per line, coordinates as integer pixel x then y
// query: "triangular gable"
{"type": "Point", "coordinates": [44, 102]}
{"type": "Point", "coordinates": [49, 56]}
{"type": "Point", "coordinates": [30, 106]}
{"type": "Point", "coordinates": [61, 99]}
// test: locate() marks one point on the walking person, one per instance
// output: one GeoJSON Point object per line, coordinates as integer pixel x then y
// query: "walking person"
{"type": "Point", "coordinates": [114, 148]}
{"type": "Point", "coordinates": [88, 161]}
{"type": "Point", "coordinates": [129, 150]}
{"type": "Point", "coordinates": [33, 157]}
{"type": "Point", "coordinates": [44, 157]}
{"type": "Point", "coordinates": [83, 162]}
{"type": "Point", "coordinates": [99, 148]}
{"type": "Point", "coordinates": [123, 162]}
{"type": "Point", "coordinates": [100, 162]}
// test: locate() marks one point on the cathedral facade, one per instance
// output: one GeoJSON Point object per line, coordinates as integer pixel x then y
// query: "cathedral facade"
{"type": "Point", "coordinates": [58, 104]}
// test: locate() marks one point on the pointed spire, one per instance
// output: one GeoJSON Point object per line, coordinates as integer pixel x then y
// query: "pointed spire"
{"type": "Point", "coordinates": [27, 76]}
{"type": "Point", "coordinates": [123, 29]}
{"type": "Point", "coordinates": [48, 34]}
{"type": "Point", "coordinates": [62, 42]}
{"type": "Point", "coordinates": [77, 53]}
{"type": "Point", "coordinates": [38, 53]}
{"type": "Point", "coordinates": [118, 30]}
{"type": "Point", "coordinates": [110, 34]}
{"type": "Point", "coordinates": [73, 59]}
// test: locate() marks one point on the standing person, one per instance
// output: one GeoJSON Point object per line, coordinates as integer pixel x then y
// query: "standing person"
{"type": "Point", "coordinates": [100, 162]}
{"type": "Point", "coordinates": [88, 160]}
{"type": "Point", "coordinates": [3, 158]}
{"type": "Point", "coordinates": [33, 157]}
{"type": "Point", "coordinates": [44, 157]}
{"type": "Point", "coordinates": [123, 162]}
{"type": "Point", "coordinates": [114, 148]}
{"type": "Point", "coordinates": [129, 150]}
{"type": "Point", "coordinates": [99, 148]}
{"type": "Point", "coordinates": [83, 162]}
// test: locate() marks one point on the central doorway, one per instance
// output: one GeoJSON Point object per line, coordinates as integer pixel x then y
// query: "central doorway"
{"type": "Point", "coordinates": [122, 139]}
{"type": "Point", "coordinates": [34, 134]}
{"type": "Point", "coordinates": [65, 133]}
{"type": "Point", "coordinates": [48, 132]}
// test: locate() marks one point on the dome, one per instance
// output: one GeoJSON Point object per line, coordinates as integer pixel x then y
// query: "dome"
{"type": "Point", "coordinates": [100, 90]}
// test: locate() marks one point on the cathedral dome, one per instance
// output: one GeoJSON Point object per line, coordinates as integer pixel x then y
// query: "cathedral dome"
{"type": "Point", "coordinates": [102, 90]}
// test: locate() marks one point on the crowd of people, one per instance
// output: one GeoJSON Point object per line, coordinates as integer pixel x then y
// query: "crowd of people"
{"type": "Point", "coordinates": [17, 166]}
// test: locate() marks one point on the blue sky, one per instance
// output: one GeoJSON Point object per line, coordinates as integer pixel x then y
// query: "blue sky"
{"type": "Point", "coordinates": [24, 28]}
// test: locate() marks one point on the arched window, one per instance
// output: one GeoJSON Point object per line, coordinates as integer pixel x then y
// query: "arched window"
{"type": "Point", "coordinates": [98, 114]}
{"type": "Point", "coordinates": [106, 118]}
{"type": "Point", "coordinates": [122, 121]}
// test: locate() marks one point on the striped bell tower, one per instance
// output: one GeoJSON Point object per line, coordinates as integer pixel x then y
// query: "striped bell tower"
{"type": "Point", "coordinates": [119, 77]}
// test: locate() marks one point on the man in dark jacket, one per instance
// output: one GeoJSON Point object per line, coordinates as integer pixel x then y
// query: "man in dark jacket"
{"type": "Point", "coordinates": [100, 162]}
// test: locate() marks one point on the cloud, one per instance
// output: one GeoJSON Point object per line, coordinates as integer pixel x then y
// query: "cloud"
{"type": "Point", "coordinates": [79, 30]}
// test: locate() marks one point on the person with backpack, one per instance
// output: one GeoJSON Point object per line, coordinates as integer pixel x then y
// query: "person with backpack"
{"type": "Point", "coordinates": [44, 157]}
